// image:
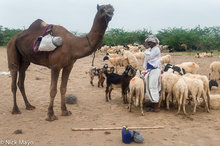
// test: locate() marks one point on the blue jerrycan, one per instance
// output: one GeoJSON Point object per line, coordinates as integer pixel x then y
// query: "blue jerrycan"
{"type": "Point", "coordinates": [126, 136]}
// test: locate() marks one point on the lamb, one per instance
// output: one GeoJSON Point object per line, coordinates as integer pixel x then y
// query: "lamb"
{"type": "Point", "coordinates": [190, 67]}
{"type": "Point", "coordinates": [165, 59]}
{"type": "Point", "coordinates": [215, 68]}
{"type": "Point", "coordinates": [136, 87]}
{"type": "Point", "coordinates": [180, 92]}
{"type": "Point", "coordinates": [168, 81]}
{"type": "Point", "coordinates": [116, 80]}
{"type": "Point", "coordinates": [132, 60]}
{"type": "Point", "coordinates": [196, 89]}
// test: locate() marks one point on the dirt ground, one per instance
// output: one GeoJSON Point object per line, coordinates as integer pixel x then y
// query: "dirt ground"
{"type": "Point", "coordinates": [201, 129]}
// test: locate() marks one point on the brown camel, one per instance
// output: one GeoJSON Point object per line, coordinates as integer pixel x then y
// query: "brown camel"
{"type": "Point", "coordinates": [20, 55]}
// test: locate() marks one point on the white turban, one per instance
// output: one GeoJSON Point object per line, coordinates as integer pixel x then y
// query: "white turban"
{"type": "Point", "coordinates": [152, 38]}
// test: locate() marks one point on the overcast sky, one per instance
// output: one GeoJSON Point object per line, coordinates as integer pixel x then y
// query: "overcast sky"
{"type": "Point", "coordinates": [78, 15]}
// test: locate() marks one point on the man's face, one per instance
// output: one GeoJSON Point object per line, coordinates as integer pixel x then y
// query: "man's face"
{"type": "Point", "coordinates": [149, 44]}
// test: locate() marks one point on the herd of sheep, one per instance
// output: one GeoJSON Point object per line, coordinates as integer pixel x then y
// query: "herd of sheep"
{"type": "Point", "coordinates": [180, 82]}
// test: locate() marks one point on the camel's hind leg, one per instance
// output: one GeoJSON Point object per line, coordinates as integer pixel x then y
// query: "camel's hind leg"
{"type": "Point", "coordinates": [14, 74]}
{"type": "Point", "coordinates": [53, 91]}
{"type": "Point", "coordinates": [21, 79]}
{"type": "Point", "coordinates": [13, 65]}
{"type": "Point", "coordinates": [65, 77]}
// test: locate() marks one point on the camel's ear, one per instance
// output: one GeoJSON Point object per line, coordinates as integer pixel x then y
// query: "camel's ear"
{"type": "Point", "coordinates": [97, 7]}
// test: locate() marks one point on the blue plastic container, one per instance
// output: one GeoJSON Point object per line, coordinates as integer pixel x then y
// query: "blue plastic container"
{"type": "Point", "coordinates": [126, 136]}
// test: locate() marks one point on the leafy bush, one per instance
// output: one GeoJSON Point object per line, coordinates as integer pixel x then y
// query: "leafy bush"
{"type": "Point", "coordinates": [203, 39]}
{"type": "Point", "coordinates": [6, 34]}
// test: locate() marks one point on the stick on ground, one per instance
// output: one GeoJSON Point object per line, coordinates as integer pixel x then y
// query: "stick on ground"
{"type": "Point", "coordinates": [115, 128]}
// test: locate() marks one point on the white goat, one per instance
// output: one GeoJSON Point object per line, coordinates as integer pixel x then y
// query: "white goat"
{"type": "Point", "coordinates": [136, 87]}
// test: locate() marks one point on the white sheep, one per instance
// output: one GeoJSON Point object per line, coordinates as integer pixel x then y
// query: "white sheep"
{"type": "Point", "coordinates": [136, 87]}
{"type": "Point", "coordinates": [215, 68]}
{"type": "Point", "coordinates": [215, 102]}
{"type": "Point", "coordinates": [165, 59]}
{"type": "Point", "coordinates": [112, 55]}
{"type": "Point", "coordinates": [205, 81]}
{"type": "Point", "coordinates": [180, 92]}
{"type": "Point", "coordinates": [132, 60]}
{"type": "Point", "coordinates": [167, 83]}
{"type": "Point", "coordinates": [104, 48]}
{"type": "Point", "coordinates": [116, 61]}
{"type": "Point", "coordinates": [140, 56]}
{"type": "Point", "coordinates": [133, 49]}
{"type": "Point", "coordinates": [190, 67]}
{"type": "Point", "coordinates": [199, 55]}
{"type": "Point", "coordinates": [196, 89]}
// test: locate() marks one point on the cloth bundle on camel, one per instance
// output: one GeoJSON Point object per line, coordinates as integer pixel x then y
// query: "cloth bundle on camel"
{"type": "Point", "coordinates": [47, 42]}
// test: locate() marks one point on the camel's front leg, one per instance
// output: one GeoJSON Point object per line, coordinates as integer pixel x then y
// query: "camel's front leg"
{"type": "Point", "coordinates": [53, 91]}
{"type": "Point", "coordinates": [22, 70]}
{"type": "Point", "coordinates": [65, 77]}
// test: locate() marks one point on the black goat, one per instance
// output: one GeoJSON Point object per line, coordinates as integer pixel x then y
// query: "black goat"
{"type": "Point", "coordinates": [121, 81]}
{"type": "Point", "coordinates": [212, 83]}
{"type": "Point", "coordinates": [178, 69]}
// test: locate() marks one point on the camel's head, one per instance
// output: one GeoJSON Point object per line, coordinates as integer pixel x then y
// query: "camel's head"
{"type": "Point", "coordinates": [106, 11]}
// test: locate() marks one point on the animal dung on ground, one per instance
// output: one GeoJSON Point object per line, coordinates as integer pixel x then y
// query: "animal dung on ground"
{"type": "Point", "coordinates": [71, 99]}
{"type": "Point", "coordinates": [107, 132]}
{"type": "Point", "coordinates": [19, 131]}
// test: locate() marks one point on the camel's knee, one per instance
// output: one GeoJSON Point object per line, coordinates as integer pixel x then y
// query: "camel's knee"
{"type": "Point", "coordinates": [53, 93]}
{"type": "Point", "coordinates": [62, 91]}
{"type": "Point", "coordinates": [20, 85]}
{"type": "Point", "coordinates": [14, 88]}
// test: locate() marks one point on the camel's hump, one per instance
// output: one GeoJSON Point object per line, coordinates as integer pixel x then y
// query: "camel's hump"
{"type": "Point", "coordinates": [37, 24]}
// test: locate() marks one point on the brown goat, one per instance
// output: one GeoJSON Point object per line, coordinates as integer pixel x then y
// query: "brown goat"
{"type": "Point", "coordinates": [99, 72]}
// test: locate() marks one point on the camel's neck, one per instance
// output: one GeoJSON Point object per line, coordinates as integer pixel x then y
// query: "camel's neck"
{"type": "Point", "coordinates": [93, 39]}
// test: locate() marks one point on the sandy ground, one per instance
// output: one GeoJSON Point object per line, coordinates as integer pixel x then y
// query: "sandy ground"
{"type": "Point", "coordinates": [201, 129]}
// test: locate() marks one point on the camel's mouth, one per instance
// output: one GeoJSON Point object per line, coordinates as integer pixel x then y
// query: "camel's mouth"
{"type": "Point", "coordinates": [108, 10]}
{"type": "Point", "coordinates": [110, 14]}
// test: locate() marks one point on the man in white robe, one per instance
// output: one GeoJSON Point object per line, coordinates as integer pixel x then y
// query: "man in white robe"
{"type": "Point", "coordinates": [153, 71]}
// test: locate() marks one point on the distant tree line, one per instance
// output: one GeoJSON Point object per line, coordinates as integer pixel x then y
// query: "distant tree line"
{"type": "Point", "coordinates": [180, 39]}
{"type": "Point", "coordinates": [6, 34]}
{"type": "Point", "coordinates": [205, 39]}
